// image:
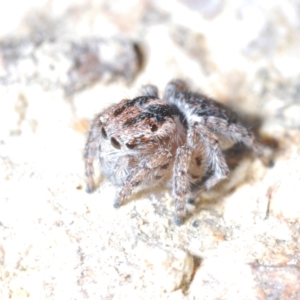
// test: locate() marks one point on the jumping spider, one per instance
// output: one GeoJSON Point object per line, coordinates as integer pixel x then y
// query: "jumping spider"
{"type": "Point", "coordinates": [175, 140]}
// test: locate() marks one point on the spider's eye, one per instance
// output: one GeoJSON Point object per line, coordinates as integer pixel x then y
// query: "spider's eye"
{"type": "Point", "coordinates": [154, 127]}
{"type": "Point", "coordinates": [115, 143]}
{"type": "Point", "coordinates": [103, 133]}
{"type": "Point", "coordinates": [130, 146]}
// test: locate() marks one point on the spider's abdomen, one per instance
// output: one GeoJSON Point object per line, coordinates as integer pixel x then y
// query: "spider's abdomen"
{"type": "Point", "coordinates": [197, 105]}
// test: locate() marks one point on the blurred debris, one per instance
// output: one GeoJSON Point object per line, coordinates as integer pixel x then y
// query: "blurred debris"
{"type": "Point", "coordinates": [72, 65]}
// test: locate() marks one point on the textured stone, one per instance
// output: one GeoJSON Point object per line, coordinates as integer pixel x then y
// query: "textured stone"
{"type": "Point", "coordinates": [57, 242]}
{"type": "Point", "coordinates": [70, 65]}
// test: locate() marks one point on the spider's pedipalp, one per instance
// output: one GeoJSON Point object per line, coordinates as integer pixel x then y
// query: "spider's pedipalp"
{"type": "Point", "coordinates": [148, 166]}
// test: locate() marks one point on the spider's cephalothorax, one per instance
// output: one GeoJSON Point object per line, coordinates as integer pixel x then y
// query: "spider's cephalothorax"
{"type": "Point", "coordinates": [176, 140]}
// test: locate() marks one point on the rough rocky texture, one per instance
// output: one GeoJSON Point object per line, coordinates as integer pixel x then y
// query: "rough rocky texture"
{"type": "Point", "coordinates": [57, 242]}
{"type": "Point", "coordinates": [69, 65]}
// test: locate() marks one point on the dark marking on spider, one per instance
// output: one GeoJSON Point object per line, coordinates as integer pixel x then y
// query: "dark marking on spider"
{"type": "Point", "coordinates": [164, 167]}
{"type": "Point", "coordinates": [198, 161]}
{"type": "Point", "coordinates": [139, 101]}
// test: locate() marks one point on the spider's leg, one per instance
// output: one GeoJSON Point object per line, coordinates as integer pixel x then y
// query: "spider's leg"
{"type": "Point", "coordinates": [233, 131]}
{"type": "Point", "coordinates": [149, 90]}
{"type": "Point", "coordinates": [90, 152]}
{"type": "Point", "coordinates": [173, 87]}
{"type": "Point", "coordinates": [201, 140]}
{"type": "Point", "coordinates": [89, 155]}
{"type": "Point", "coordinates": [149, 165]}
{"type": "Point", "coordinates": [181, 181]}
{"type": "Point", "coordinates": [215, 162]}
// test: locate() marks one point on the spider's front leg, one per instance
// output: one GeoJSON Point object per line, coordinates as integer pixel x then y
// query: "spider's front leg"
{"type": "Point", "coordinates": [150, 164]}
{"type": "Point", "coordinates": [90, 152]}
{"type": "Point", "coordinates": [202, 141]}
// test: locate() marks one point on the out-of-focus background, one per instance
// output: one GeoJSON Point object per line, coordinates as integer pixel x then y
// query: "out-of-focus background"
{"type": "Point", "coordinates": [61, 62]}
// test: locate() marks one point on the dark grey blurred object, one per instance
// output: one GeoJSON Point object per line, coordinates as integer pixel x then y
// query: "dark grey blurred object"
{"type": "Point", "coordinates": [68, 64]}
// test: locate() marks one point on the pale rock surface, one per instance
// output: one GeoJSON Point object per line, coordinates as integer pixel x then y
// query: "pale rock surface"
{"type": "Point", "coordinates": [241, 240]}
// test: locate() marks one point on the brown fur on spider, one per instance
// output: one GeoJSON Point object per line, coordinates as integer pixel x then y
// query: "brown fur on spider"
{"type": "Point", "coordinates": [175, 140]}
